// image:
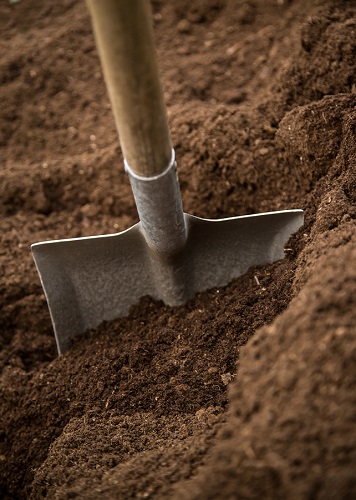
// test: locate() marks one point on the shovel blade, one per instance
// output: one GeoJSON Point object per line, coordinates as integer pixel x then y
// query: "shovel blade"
{"type": "Point", "coordinates": [94, 279]}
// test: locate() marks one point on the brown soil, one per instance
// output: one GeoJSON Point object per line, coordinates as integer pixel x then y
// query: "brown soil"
{"type": "Point", "coordinates": [246, 392]}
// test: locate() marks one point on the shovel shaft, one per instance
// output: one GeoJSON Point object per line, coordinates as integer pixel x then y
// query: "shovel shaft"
{"type": "Point", "coordinates": [124, 38]}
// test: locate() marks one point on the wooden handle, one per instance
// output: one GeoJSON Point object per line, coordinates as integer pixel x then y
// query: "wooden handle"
{"type": "Point", "coordinates": [124, 38]}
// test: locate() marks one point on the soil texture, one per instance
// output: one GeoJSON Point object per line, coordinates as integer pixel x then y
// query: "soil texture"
{"type": "Point", "coordinates": [247, 391]}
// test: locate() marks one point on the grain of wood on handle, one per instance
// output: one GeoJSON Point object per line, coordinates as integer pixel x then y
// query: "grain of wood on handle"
{"type": "Point", "coordinates": [124, 38]}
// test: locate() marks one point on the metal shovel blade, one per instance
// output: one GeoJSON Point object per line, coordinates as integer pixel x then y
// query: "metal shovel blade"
{"type": "Point", "coordinates": [93, 279]}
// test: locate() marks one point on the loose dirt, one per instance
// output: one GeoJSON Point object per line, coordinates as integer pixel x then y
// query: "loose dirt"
{"type": "Point", "coordinates": [247, 391]}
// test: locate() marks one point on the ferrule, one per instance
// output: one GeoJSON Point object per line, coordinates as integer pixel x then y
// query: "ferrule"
{"type": "Point", "coordinates": [160, 209]}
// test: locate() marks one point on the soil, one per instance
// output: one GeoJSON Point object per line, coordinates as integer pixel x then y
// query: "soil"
{"type": "Point", "coordinates": [247, 391]}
